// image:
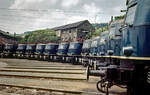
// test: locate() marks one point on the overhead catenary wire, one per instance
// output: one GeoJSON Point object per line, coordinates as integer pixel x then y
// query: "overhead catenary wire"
{"type": "Point", "coordinates": [49, 10]}
{"type": "Point", "coordinates": [18, 16]}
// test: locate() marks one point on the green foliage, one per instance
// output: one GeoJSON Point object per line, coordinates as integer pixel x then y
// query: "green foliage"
{"type": "Point", "coordinates": [41, 36]}
{"type": "Point", "coordinates": [97, 32]}
{"type": "Point", "coordinates": [99, 25]}
{"type": "Point", "coordinates": [120, 17]}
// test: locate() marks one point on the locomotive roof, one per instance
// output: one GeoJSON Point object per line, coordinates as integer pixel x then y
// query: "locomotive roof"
{"type": "Point", "coordinates": [76, 42]}
{"type": "Point", "coordinates": [117, 22]}
{"type": "Point", "coordinates": [9, 44]}
{"type": "Point", "coordinates": [31, 44]}
{"type": "Point", "coordinates": [89, 40]}
{"type": "Point", "coordinates": [22, 44]}
{"type": "Point", "coordinates": [40, 44]}
{"type": "Point", "coordinates": [52, 44]}
{"type": "Point", "coordinates": [64, 43]}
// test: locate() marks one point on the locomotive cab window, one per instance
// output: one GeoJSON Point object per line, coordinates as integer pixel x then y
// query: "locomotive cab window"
{"type": "Point", "coordinates": [112, 31]}
{"type": "Point", "coordinates": [62, 46]}
{"type": "Point", "coordinates": [49, 46]}
{"type": "Point", "coordinates": [131, 15]}
{"type": "Point", "coordinates": [39, 46]}
{"type": "Point", "coordinates": [21, 46]}
{"type": "Point", "coordinates": [29, 47]}
{"type": "Point", "coordinates": [86, 45]}
{"type": "Point", "coordinates": [9, 46]}
{"type": "Point", "coordinates": [72, 46]}
{"type": "Point", "coordinates": [94, 44]}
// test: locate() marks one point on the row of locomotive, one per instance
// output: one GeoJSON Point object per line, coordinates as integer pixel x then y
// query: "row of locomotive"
{"type": "Point", "coordinates": [75, 52]}
{"type": "Point", "coordinates": [125, 57]}
{"type": "Point", "coordinates": [119, 57]}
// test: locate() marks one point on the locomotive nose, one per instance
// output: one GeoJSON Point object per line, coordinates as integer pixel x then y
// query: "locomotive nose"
{"type": "Point", "coordinates": [127, 51]}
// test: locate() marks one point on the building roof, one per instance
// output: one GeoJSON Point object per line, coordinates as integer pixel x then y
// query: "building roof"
{"type": "Point", "coordinates": [69, 26]}
{"type": "Point", "coordinates": [4, 33]}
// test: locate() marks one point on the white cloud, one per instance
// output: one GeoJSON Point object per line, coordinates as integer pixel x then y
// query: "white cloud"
{"type": "Point", "coordinates": [32, 4]}
{"type": "Point", "coordinates": [69, 3]}
{"type": "Point", "coordinates": [92, 10]}
{"type": "Point", "coordinates": [60, 12]}
{"type": "Point", "coordinates": [23, 3]}
{"type": "Point", "coordinates": [75, 19]}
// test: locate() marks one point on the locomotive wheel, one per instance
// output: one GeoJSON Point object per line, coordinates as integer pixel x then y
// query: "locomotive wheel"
{"type": "Point", "coordinates": [101, 87]}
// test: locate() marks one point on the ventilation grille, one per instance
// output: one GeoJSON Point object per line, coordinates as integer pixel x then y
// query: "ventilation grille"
{"type": "Point", "coordinates": [148, 76]}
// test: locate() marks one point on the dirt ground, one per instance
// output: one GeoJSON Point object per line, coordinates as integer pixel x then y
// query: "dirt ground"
{"type": "Point", "coordinates": [43, 69]}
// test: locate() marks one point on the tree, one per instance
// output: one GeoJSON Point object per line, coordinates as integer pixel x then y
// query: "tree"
{"type": "Point", "coordinates": [97, 32]}
{"type": "Point", "coordinates": [46, 35]}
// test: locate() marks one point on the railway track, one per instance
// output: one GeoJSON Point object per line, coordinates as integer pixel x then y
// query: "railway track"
{"type": "Point", "coordinates": [49, 68]}
{"type": "Point", "coordinates": [55, 79]}
{"type": "Point", "coordinates": [44, 71]}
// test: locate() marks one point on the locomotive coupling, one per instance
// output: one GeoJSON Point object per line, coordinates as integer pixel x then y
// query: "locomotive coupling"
{"type": "Point", "coordinates": [100, 73]}
{"type": "Point", "coordinates": [107, 71]}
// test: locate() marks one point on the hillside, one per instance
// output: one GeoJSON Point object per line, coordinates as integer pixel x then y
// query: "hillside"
{"type": "Point", "coordinates": [38, 36]}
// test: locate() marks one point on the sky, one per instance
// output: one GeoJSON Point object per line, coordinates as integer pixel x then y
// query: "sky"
{"type": "Point", "coordinates": [19, 16]}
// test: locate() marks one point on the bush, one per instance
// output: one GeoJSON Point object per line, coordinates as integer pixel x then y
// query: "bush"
{"type": "Point", "coordinates": [41, 36]}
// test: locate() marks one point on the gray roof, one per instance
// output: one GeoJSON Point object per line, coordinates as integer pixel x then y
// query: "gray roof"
{"type": "Point", "coordinates": [72, 25]}
{"type": "Point", "coordinates": [2, 32]}
{"type": "Point", "coordinates": [6, 35]}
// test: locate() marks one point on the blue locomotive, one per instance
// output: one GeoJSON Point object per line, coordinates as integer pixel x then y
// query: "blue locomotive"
{"type": "Point", "coordinates": [115, 37]}
{"type": "Point", "coordinates": [84, 60]}
{"type": "Point", "coordinates": [74, 50]}
{"type": "Point", "coordinates": [136, 29]}
{"type": "Point", "coordinates": [103, 44]}
{"type": "Point", "coordinates": [30, 50]}
{"type": "Point", "coordinates": [1, 49]}
{"type": "Point", "coordinates": [132, 67]}
{"type": "Point", "coordinates": [21, 50]}
{"type": "Point", "coordinates": [94, 46]}
{"type": "Point", "coordinates": [136, 44]}
{"type": "Point", "coordinates": [39, 50]}
{"type": "Point", "coordinates": [86, 47]}
{"type": "Point", "coordinates": [121, 55]}
{"type": "Point", "coordinates": [62, 51]}
{"type": "Point", "coordinates": [63, 48]}
{"type": "Point", "coordinates": [9, 50]}
{"type": "Point", "coordinates": [50, 51]}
